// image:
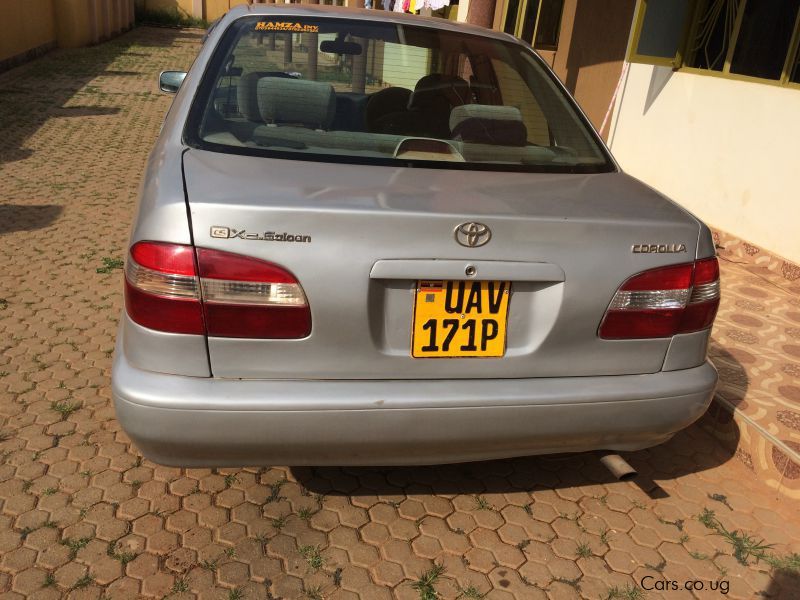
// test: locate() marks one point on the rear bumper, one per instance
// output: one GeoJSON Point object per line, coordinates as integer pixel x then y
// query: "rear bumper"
{"type": "Point", "coordinates": [194, 421]}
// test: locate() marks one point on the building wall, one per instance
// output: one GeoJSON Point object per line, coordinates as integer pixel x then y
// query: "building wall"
{"type": "Point", "coordinates": [184, 7]}
{"type": "Point", "coordinates": [216, 8]}
{"type": "Point", "coordinates": [84, 22]}
{"type": "Point", "coordinates": [25, 26]}
{"type": "Point", "coordinates": [31, 27]}
{"type": "Point", "coordinates": [207, 9]}
{"type": "Point", "coordinates": [724, 149]}
{"type": "Point", "coordinates": [480, 12]}
{"type": "Point", "coordinates": [591, 49]}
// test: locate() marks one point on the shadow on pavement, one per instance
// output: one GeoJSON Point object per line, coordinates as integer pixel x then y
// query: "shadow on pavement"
{"type": "Point", "coordinates": [20, 217]}
{"type": "Point", "coordinates": [783, 585]}
{"type": "Point", "coordinates": [734, 380]}
{"type": "Point", "coordinates": [84, 111]}
{"type": "Point", "coordinates": [690, 451]}
{"type": "Point", "coordinates": [37, 91]}
{"type": "Point", "coordinates": [121, 73]}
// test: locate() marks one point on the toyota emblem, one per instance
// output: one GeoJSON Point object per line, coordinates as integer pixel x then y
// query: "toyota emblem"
{"type": "Point", "coordinates": [472, 235]}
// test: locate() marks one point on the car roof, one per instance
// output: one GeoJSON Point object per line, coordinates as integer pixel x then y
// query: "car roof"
{"type": "Point", "coordinates": [359, 14]}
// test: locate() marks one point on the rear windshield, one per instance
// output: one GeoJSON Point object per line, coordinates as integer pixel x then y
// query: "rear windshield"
{"type": "Point", "coordinates": [369, 92]}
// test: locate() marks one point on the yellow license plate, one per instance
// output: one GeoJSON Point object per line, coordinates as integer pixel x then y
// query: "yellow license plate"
{"type": "Point", "coordinates": [460, 318]}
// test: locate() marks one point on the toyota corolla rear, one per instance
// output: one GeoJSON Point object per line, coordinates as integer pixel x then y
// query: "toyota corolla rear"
{"type": "Point", "coordinates": [398, 241]}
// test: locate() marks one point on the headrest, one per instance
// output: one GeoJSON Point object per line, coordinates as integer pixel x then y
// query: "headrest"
{"type": "Point", "coordinates": [296, 102]}
{"type": "Point", "coordinates": [488, 124]}
{"type": "Point", "coordinates": [433, 89]}
{"type": "Point", "coordinates": [247, 93]}
{"type": "Point", "coordinates": [247, 96]}
{"type": "Point", "coordinates": [383, 102]}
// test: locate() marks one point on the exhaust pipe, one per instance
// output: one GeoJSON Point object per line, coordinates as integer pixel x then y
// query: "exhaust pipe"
{"type": "Point", "coordinates": [618, 466]}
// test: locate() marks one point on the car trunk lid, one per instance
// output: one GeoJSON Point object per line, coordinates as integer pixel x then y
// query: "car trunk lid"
{"type": "Point", "coordinates": [359, 238]}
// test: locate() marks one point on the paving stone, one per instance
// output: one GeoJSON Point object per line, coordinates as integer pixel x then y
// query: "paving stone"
{"type": "Point", "coordinates": [78, 501]}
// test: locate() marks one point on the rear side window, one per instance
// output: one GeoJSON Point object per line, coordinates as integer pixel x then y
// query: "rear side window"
{"type": "Point", "coordinates": [382, 93]}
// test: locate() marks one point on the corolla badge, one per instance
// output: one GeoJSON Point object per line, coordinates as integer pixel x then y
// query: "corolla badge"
{"type": "Point", "coordinates": [658, 248]}
{"type": "Point", "coordinates": [472, 235]}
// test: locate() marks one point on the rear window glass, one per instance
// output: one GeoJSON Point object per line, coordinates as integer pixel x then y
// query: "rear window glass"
{"type": "Point", "coordinates": [372, 92]}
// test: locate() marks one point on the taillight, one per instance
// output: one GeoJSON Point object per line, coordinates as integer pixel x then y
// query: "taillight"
{"type": "Point", "coordinates": [663, 302]}
{"type": "Point", "coordinates": [249, 298]}
{"type": "Point", "coordinates": [224, 295]}
{"type": "Point", "coordinates": [162, 290]}
{"type": "Point", "coordinates": [704, 300]}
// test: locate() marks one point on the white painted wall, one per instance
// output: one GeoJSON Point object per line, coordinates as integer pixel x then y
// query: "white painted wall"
{"type": "Point", "coordinates": [729, 151]}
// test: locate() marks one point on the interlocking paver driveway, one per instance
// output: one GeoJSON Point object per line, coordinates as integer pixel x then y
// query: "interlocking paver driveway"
{"type": "Point", "coordinates": [82, 514]}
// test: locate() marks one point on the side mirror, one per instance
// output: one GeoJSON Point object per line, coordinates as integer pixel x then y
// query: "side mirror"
{"type": "Point", "coordinates": [170, 81]}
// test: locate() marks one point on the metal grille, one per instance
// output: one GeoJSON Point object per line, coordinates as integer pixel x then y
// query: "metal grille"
{"type": "Point", "coordinates": [714, 33]}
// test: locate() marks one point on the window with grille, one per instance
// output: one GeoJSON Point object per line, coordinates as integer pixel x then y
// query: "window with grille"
{"type": "Point", "coordinates": [747, 39]}
{"type": "Point", "coordinates": [538, 22]}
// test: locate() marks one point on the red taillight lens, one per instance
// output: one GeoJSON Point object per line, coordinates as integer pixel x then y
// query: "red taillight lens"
{"type": "Point", "coordinates": [250, 298]}
{"type": "Point", "coordinates": [677, 277]}
{"type": "Point", "coordinates": [242, 297]}
{"type": "Point", "coordinates": [173, 259]}
{"type": "Point", "coordinates": [704, 300]}
{"type": "Point", "coordinates": [663, 302]}
{"type": "Point", "coordinates": [706, 271]}
{"type": "Point", "coordinates": [162, 291]}
{"type": "Point", "coordinates": [621, 325]}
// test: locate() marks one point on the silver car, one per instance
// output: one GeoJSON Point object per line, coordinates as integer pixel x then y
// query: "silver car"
{"type": "Point", "coordinates": [370, 238]}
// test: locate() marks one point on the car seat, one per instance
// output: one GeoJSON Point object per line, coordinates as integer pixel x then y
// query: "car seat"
{"type": "Point", "coordinates": [382, 105]}
{"type": "Point", "coordinates": [427, 113]}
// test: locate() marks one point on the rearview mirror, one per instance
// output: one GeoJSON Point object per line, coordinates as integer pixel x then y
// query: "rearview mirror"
{"type": "Point", "coordinates": [340, 47]}
{"type": "Point", "coordinates": [170, 81]}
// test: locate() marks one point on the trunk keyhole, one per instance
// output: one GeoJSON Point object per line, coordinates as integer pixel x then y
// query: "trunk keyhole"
{"type": "Point", "coordinates": [470, 271]}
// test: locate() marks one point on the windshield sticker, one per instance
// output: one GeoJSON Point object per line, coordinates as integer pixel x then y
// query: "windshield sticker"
{"type": "Point", "coordinates": [286, 26]}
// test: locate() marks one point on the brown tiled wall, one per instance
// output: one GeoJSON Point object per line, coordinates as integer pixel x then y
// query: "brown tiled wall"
{"type": "Point", "coordinates": [756, 347]}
